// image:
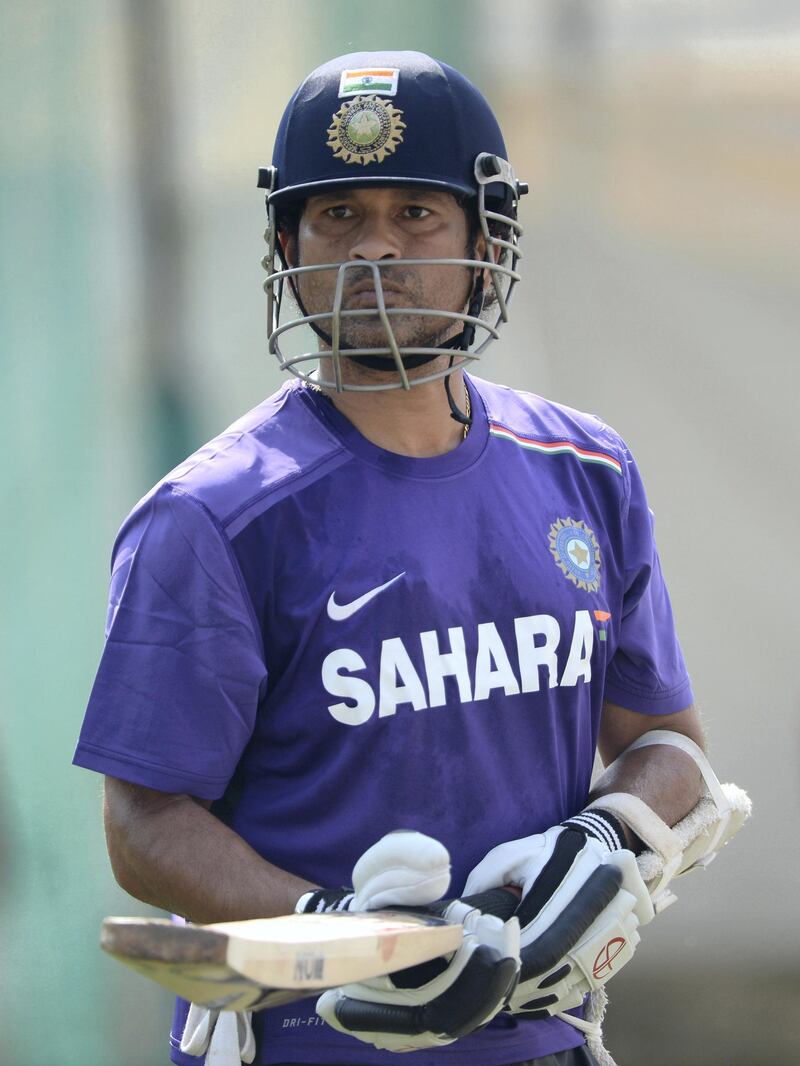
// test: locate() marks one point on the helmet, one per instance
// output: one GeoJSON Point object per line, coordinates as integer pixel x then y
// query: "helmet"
{"type": "Point", "coordinates": [382, 119]}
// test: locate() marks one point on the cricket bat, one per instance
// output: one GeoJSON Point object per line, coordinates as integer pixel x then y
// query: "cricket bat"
{"type": "Point", "coordinates": [265, 962]}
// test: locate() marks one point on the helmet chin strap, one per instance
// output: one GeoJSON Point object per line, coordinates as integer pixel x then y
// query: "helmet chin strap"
{"type": "Point", "coordinates": [456, 413]}
{"type": "Point", "coordinates": [461, 342]}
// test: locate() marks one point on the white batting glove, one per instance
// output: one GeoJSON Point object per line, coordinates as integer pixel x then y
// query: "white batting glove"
{"type": "Point", "coordinates": [434, 1003]}
{"type": "Point", "coordinates": [403, 869]}
{"type": "Point", "coordinates": [581, 906]}
{"type": "Point", "coordinates": [431, 1004]}
{"type": "Point", "coordinates": [224, 1037]}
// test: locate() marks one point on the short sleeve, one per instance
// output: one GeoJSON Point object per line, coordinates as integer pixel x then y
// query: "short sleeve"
{"type": "Point", "coordinates": [175, 698]}
{"type": "Point", "coordinates": [647, 672]}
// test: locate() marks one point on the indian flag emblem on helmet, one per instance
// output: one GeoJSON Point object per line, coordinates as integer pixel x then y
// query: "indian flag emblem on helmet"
{"type": "Point", "coordinates": [365, 130]}
{"type": "Point", "coordinates": [576, 552]}
{"type": "Point", "coordinates": [381, 80]}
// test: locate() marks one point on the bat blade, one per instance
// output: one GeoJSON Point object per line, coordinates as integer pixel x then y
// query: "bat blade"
{"type": "Point", "coordinates": [268, 961]}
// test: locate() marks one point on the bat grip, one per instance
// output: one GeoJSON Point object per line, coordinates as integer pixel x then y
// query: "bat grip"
{"type": "Point", "coordinates": [501, 902]}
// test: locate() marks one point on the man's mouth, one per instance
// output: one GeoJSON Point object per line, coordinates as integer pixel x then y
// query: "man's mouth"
{"type": "Point", "coordinates": [364, 295]}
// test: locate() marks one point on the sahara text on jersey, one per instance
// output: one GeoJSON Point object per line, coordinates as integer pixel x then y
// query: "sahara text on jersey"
{"type": "Point", "coordinates": [400, 682]}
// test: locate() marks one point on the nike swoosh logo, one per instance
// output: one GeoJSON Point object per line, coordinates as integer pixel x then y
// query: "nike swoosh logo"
{"type": "Point", "coordinates": [339, 611]}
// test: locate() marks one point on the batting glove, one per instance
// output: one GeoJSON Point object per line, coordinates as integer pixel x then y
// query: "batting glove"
{"type": "Point", "coordinates": [431, 1004]}
{"type": "Point", "coordinates": [437, 1002]}
{"type": "Point", "coordinates": [403, 869]}
{"type": "Point", "coordinates": [583, 900]}
{"type": "Point", "coordinates": [224, 1037]}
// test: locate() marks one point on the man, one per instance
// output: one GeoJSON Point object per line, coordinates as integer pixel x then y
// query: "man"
{"type": "Point", "coordinates": [397, 596]}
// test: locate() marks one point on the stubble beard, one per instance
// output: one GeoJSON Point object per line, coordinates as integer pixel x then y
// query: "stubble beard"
{"type": "Point", "coordinates": [410, 331]}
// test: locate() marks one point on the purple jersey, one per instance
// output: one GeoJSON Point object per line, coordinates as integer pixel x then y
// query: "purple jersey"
{"type": "Point", "coordinates": [331, 641]}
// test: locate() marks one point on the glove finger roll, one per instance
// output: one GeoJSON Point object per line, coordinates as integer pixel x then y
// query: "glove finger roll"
{"type": "Point", "coordinates": [402, 868]}
{"type": "Point", "coordinates": [589, 901]}
{"type": "Point", "coordinates": [486, 980]}
{"type": "Point", "coordinates": [567, 847]}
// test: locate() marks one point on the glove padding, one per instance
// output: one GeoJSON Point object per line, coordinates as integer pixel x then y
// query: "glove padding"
{"type": "Point", "coordinates": [224, 1037]}
{"type": "Point", "coordinates": [580, 910]}
{"type": "Point", "coordinates": [403, 869]}
{"type": "Point", "coordinates": [437, 1002]}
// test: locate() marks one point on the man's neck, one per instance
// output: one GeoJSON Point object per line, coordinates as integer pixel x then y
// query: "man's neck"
{"type": "Point", "coordinates": [414, 422]}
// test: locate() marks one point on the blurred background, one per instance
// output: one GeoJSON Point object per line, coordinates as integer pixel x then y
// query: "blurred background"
{"type": "Point", "coordinates": [662, 145]}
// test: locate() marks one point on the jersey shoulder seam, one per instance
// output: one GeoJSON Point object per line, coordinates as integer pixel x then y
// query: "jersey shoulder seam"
{"type": "Point", "coordinates": [229, 443]}
{"type": "Point", "coordinates": [530, 401]}
{"type": "Point", "coordinates": [336, 457]}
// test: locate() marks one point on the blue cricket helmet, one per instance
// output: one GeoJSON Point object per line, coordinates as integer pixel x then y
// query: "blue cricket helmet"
{"type": "Point", "coordinates": [391, 118]}
{"type": "Point", "coordinates": [384, 118]}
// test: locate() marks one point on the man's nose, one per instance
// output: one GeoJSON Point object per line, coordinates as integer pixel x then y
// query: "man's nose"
{"type": "Point", "coordinates": [376, 239]}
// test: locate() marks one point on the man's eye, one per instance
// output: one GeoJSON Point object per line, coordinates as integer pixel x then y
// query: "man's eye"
{"type": "Point", "coordinates": [417, 211]}
{"type": "Point", "coordinates": [339, 211]}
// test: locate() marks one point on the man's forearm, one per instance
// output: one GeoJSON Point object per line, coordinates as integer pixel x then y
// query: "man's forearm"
{"type": "Point", "coordinates": [667, 779]}
{"type": "Point", "coordinates": [170, 852]}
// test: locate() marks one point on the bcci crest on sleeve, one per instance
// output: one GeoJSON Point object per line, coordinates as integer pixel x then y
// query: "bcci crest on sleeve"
{"type": "Point", "coordinates": [576, 552]}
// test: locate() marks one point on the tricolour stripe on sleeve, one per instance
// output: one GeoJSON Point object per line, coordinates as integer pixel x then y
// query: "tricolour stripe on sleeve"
{"type": "Point", "coordinates": [555, 447]}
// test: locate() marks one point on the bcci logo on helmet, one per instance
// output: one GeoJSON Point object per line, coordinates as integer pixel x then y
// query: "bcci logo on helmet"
{"type": "Point", "coordinates": [365, 130]}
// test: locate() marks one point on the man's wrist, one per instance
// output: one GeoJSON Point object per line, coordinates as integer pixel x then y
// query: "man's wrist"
{"type": "Point", "coordinates": [602, 825]}
{"type": "Point", "coordinates": [324, 901]}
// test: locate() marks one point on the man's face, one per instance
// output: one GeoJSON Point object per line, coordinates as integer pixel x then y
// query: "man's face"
{"type": "Point", "coordinates": [381, 225]}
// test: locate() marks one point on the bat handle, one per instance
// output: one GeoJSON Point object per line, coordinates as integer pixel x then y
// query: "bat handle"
{"type": "Point", "coordinates": [501, 902]}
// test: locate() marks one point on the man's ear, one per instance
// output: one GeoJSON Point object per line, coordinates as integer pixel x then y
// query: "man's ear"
{"type": "Point", "coordinates": [288, 247]}
{"type": "Point", "coordinates": [481, 245]}
{"type": "Point", "coordinates": [494, 252]}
